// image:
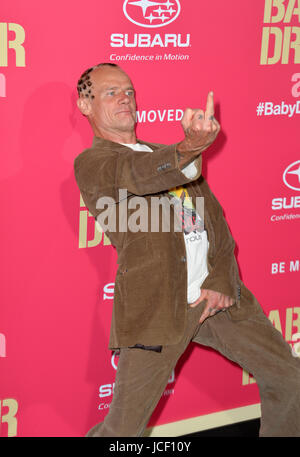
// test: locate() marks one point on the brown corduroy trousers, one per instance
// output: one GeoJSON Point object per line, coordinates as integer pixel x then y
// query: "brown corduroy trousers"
{"type": "Point", "coordinates": [251, 342]}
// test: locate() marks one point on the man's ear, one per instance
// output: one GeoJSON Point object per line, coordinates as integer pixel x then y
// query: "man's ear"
{"type": "Point", "coordinates": [84, 106]}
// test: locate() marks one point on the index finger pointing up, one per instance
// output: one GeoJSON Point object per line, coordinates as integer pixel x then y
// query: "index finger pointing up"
{"type": "Point", "coordinates": [210, 110]}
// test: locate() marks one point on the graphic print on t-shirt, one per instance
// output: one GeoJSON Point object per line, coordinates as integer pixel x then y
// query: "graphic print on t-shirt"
{"type": "Point", "coordinates": [191, 221]}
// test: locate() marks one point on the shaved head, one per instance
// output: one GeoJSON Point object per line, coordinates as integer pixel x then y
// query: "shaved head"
{"type": "Point", "coordinates": [84, 85]}
{"type": "Point", "coordinates": [107, 99]}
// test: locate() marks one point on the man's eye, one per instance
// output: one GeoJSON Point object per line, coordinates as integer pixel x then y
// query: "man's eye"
{"type": "Point", "coordinates": [130, 93]}
{"type": "Point", "coordinates": [111, 92]}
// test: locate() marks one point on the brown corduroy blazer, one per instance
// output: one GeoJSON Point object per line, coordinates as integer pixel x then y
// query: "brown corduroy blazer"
{"type": "Point", "coordinates": [150, 297]}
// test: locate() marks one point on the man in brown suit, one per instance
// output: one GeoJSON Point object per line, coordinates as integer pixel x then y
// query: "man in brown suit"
{"type": "Point", "coordinates": [169, 289]}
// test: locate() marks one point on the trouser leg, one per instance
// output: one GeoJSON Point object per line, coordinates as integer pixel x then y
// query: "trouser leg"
{"type": "Point", "coordinates": [253, 342]}
{"type": "Point", "coordinates": [141, 378]}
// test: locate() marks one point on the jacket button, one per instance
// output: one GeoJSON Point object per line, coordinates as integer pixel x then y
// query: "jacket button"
{"type": "Point", "coordinates": [183, 259]}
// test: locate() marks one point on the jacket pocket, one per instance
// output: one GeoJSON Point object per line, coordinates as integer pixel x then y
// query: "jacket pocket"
{"type": "Point", "coordinates": [139, 272]}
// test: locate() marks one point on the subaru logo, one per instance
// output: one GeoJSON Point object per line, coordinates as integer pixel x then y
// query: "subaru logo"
{"type": "Point", "coordinates": [146, 13]}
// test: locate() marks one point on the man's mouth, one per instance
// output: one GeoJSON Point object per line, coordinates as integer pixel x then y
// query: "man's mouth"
{"type": "Point", "coordinates": [125, 113]}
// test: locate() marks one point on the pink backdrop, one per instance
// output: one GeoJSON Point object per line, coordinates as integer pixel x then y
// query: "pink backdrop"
{"type": "Point", "coordinates": [57, 272]}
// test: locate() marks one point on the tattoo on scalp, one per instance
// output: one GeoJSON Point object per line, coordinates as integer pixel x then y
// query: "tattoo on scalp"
{"type": "Point", "coordinates": [85, 85]}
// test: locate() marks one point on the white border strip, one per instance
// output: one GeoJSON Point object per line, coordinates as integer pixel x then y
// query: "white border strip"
{"type": "Point", "coordinates": [208, 421]}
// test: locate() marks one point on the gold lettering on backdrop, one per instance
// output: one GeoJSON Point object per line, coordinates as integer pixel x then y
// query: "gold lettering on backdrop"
{"type": "Point", "coordinates": [9, 416]}
{"type": "Point", "coordinates": [275, 319]}
{"type": "Point", "coordinates": [292, 326]}
{"type": "Point", "coordinates": [85, 219]}
{"type": "Point", "coordinates": [282, 11]}
{"type": "Point", "coordinates": [289, 43]}
{"type": "Point", "coordinates": [277, 42]}
{"type": "Point", "coordinates": [8, 42]}
{"type": "Point", "coordinates": [290, 322]}
{"type": "Point", "coordinates": [247, 379]}
{"type": "Point", "coordinates": [292, 10]}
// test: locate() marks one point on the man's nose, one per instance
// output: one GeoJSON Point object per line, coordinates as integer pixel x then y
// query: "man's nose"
{"type": "Point", "coordinates": [124, 98]}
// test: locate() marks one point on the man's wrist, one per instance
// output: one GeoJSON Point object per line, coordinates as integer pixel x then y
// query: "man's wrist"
{"type": "Point", "coordinates": [187, 147]}
{"type": "Point", "coordinates": [186, 156]}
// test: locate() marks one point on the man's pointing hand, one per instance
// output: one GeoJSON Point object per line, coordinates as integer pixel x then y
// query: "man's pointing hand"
{"type": "Point", "coordinates": [200, 128]}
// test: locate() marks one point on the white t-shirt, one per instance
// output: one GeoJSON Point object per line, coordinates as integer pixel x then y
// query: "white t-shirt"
{"type": "Point", "coordinates": [195, 237]}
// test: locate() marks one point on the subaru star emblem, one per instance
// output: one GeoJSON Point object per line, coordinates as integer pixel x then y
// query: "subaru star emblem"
{"type": "Point", "coordinates": [115, 359]}
{"type": "Point", "coordinates": [291, 176]}
{"type": "Point", "coordinates": [146, 13]}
